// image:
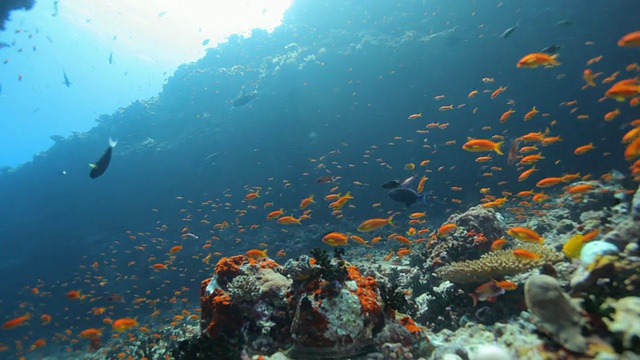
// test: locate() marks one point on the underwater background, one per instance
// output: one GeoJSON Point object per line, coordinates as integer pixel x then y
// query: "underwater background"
{"type": "Point", "coordinates": [327, 93]}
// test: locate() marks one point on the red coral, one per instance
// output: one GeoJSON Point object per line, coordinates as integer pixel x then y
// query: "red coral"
{"type": "Point", "coordinates": [229, 267]}
{"type": "Point", "coordinates": [410, 325]}
{"type": "Point", "coordinates": [367, 291]}
{"type": "Point", "coordinates": [217, 312]}
{"type": "Point", "coordinates": [267, 263]}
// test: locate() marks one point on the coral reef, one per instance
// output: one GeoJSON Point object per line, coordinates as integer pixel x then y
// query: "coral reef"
{"type": "Point", "coordinates": [497, 264]}
{"type": "Point", "coordinates": [556, 314]}
{"type": "Point", "coordinates": [625, 322]}
{"type": "Point", "coordinates": [476, 229]}
{"type": "Point", "coordinates": [242, 306]}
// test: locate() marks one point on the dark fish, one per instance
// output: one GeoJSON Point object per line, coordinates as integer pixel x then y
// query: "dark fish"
{"type": "Point", "coordinates": [513, 151]}
{"type": "Point", "coordinates": [244, 100]}
{"type": "Point", "coordinates": [563, 23]}
{"type": "Point", "coordinates": [324, 179]}
{"type": "Point", "coordinates": [393, 184]}
{"type": "Point", "coordinates": [508, 32]}
{"type": "Point", "coordinates": [406, 196]}
{"type": "Point", "coordinates": [551, 49]}
{"type": "Point", "coordinates": [115, 297]}
{"type": "Point", "coordinates": [66, 79]}
{"type": "Point", "coordinates": [111, 57]}
{"type": "Point", "coordinates": [102, 164]}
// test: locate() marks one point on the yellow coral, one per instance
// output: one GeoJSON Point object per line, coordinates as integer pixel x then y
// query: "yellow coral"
{"type": "Point", "coordinates": [497, 264]}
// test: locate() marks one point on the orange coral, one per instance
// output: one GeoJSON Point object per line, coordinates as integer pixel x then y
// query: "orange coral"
{"type": "Point", "coordinates": [410, 325]}
{"type": "Point", "coordinates": [229, 267]}
{"type": "Point", "coordinates": [367, 290]}
{"type": "Point", "coordinates": [267, 263]}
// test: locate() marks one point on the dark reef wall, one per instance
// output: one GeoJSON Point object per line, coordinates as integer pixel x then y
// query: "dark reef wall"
{"type": "Point", "coordinates": [6, 6]}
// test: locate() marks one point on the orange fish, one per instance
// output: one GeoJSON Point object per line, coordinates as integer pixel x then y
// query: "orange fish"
{"type": "Point", "coordinates": [540, 197]}
{"type": "Point", "coordinates": [37, 344]}
{"type": "Point", "coordinates": [376, 223]}
{"type": "Point", "coordinates": [73, 295]}
{"type": "Point", "coordinates": [175, 249]}
{"type": "Point", "coordinates": [550, 181]}
{"type": "Point", "coordinates": [446, 107]}
{"type": "Point", "coordinates": [287, 220]}
{"type": "Point", "coordinates": [531, 114]}
{"type": "Point", "coordinates": [338, 204]}
{"type": "Point", "coordinates": [402, 239]}
{"type": "Point", "coordinates": [403, 252]}
{"type": "Point", "coordinates": [498, 91]}
{"type": "Point", "coordinates": [472, 94]}
{"type": "Point", "coordinates": [16, 321]}
{"type": "Point", "coordinates": [589, 76]}
{"type": "Point", "coordinates": [526, 254]}
{"type": "Point", "coordinates": [506, 115]}
{"type": "Point", "coordinates": [583, 149]}
{"type": "Point", "coordinates": [274, 214]}
{"type": "Point", "coordinates": [632, 150]}
{"type": "Point", "coordinates": [525, 174]}
{"type": "Point", "coordinates": [630, 40]}
{"type": "Point", "coordinates": [124, 324]}
{"type": "Point", "coordinates": [90, 333]}
{"type": "Point", "coordinates": [525, 234]}
{"type": "Point", "coordinates": [498, 244]}
{"type": "Point", "coordinates": [623, 91]}
{"type": "Point", "coordinates": [306, 202]}
{"type": "Point", "coordinates": [581, 188]}
{"type": "Point", "coordinates": [159, 267]}
{"type": "Point", "coordinates": [537, 59]}
{"type": "Point", "coordinates": [421, 184]}
{"type": "Point", "coordinates": [446, 228]}
{"type": "Point", "coordinates": [388, 256]}
{"type": "Point", "coordinates": [335, 239]}
{"type": "Point", "coordinates": [479, 145]}
{"type": "Point", "coordinates": [507, 285]}
{"type": "Point", "coordinates": [415, 116]}
{"type": "Point", "coordinates": [611, 115]}
{"type": "Point", "coordinates": [256, 254]}
{"type": "Point", "coordinates": [530, 159]}
{"type": "Point", "coordinates": [251, 196]}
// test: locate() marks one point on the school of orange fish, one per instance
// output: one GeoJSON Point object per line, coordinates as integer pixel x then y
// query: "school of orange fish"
{"type": "Point", "coordinates": [133, 312]}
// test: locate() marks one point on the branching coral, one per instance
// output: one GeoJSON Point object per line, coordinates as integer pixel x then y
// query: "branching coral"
{"type": "Point", "coordinates": [497, 264]}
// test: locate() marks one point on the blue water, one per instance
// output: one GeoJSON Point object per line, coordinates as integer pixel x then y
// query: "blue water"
{"type": "Point", "coordinates": [335, 85]}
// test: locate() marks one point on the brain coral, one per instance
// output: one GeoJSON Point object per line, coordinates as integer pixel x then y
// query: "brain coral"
{"type": "Point", "coordinates": [497, 264]}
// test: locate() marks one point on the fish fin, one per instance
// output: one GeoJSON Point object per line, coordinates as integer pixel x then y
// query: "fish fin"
{"type": "Point", "coordinates": [113, 143]}
{"type": "Point", "coordinates": [474, 296]}
{"type": "Point", "coordinates": [497, 147]}
{"type": "Point", "coordinates": [423, 197]}
{"type": "Point", "coordinates": [93, 166]}
{"type": "Point", "coordinates": [492, 299]}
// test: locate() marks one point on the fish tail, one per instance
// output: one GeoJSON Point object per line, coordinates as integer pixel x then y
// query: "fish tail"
{"type": "Point", "coordinates": [113, 143]}
{"type": "Point", "coordinates": [390, 221]}
{"type": "Point", "coordinates": [474, 296]}
{"type": "Point", "coordinates": [423, 197]}
{"type": "Point", "coordinates": [496, 148]}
